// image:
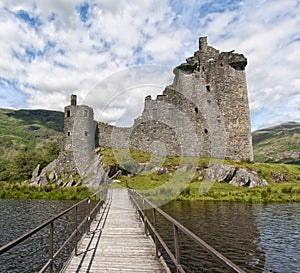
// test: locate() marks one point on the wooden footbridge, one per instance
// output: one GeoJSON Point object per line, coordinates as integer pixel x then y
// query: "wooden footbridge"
{"type": "Point", "coordinates": [117, 242]}
{"type": "Point", "coordinates": [118, 235]}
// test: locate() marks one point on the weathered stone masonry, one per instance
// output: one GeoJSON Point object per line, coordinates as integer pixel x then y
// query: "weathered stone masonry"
{"type": "Point", "coordinates": [203, 113]}
{"type": "Point", "coordinates": [79, 140]}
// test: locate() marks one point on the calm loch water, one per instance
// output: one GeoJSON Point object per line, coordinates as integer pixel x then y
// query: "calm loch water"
{"type": "Point", "coordinates": [20, 216]}
{"type": "Point", "coordinates": [257, 237]}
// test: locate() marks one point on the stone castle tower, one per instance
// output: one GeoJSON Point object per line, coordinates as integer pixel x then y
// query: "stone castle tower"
{"type": "Point", "coordinates": [203, 113]}
{"type": "Point", "coordinates": [79, 140]}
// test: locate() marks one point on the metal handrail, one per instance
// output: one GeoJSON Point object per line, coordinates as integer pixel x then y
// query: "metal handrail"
{"type": "Point", "coordinates": [175, 258]}
{"type": "Point", "coordinates": [91, 212]}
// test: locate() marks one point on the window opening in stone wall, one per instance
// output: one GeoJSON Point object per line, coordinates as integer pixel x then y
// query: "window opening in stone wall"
{"type": "Point", "coordinates": [203, 69]}
{"type": "Point", "coordinates": [69, 133]}
{"type": "Point", "coordinates": [196, 110]}
{"type": "Point", "coordinates": [207, 88]}
{"type": "Point", "coordinates": [68, 113]}
{"type": "Point", "coordinates": [85, 113]}
{"type": "Point", "coordinates": [221, 64]}
{"type": "Point", "coordinates": [205, 131]}
{"type": "Point", "coordinates": [86, 133]}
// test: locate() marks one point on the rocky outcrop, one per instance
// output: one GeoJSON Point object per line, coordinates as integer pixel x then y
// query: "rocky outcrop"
{"type": "Point", "coordinates": [278, 177]}
{"type": "Point", "coordinates": [47, 175]}
{"type": "Point", "coordinates": [94, 175]}
{"type": "Point", "coordinates": [220, 172]}
{"type": "Point", "coordinates": [235, 176]}
{"type": "Point", "coordinates": [247, 179]}
{"type": "Point", "coordinates": [35, 174]}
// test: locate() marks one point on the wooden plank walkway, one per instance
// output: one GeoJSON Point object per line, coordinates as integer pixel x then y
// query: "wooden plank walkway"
{"type": "Point", "coordinates": [117, 242]}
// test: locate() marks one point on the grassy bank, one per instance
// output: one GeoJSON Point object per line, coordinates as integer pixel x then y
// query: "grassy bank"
{"type": "Point", "coordinates": [20, 190]}
{"type": "Point", "coordinates": [281, 192]}
{"type": "Point", "coordinates": [190, 185]}
{"type": "Point", "coordinates": [174, 182]}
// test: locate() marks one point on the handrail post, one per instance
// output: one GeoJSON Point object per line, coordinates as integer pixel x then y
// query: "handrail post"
{"type": "Point", "coordinates": [51, 248]}
{"type": "Point", "coordinates": [176, 245]}
{"type": "Point", "coordinates": [155, 228]}
{"type": "Point", "coordinates": [144, 215]}
{"type": "Point", "coordinates": [88, 215]}
{"type": "Point", "coordinates": [140, 202]}
{"type": "Point", "coordinates": [76, 227]}
{"type": "Point", "coordinates": [53, 253]}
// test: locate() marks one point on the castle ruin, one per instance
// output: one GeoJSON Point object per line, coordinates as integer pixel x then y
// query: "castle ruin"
{"type": "Point", "coordinates": [79, 139]}
{"type": "Point", "coordinates": [204, 113]}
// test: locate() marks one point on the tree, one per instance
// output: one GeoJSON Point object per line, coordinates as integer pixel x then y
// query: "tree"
{"type": "Point", "coordinates": [52, 151]}
{"type": "Point", "coordinates": [24, 163]}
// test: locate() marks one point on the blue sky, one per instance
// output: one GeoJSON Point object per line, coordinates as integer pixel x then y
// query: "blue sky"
{"type": "Point", "coordinates": [51, 49]}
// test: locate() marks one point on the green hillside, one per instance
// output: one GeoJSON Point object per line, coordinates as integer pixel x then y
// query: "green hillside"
{"type": "Point", "coordinates": [25, 134]}
{"type": "Point", "coordinates": [278, 144]}
{"type": "Point", "coordinates": [29, 137]}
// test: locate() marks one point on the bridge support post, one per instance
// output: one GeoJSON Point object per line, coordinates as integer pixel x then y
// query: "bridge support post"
{"type": "Point", "coordinates": [88, 215]}
{"type": "Point", "coordinates": [176, 244]}
{"type": "Point", "coordinates": [51, 247]}
{"type": "Point", "coordinates": [144, 214]}
{"type": "Point", "coordinates": [76, 234]}
{"type": "Point", "coordinates": [155, 237]}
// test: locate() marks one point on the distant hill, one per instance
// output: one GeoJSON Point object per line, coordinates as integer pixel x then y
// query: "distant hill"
{"type": "Point", "coordinates": [278, 144]}
{"type": "Point", "coordinates": [31, 133]}
{"type": "Point", "coordinates": [25, 131]}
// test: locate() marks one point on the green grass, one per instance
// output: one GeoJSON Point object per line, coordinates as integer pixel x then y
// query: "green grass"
{"type": "Point", "coordinates": [281, 192]}
{"type": "Point", "coordinates": [190, 185]}
{"type": "Point", "coordinates": [19, 190]}
{"type": "Point", "coordinates": [117, 156]}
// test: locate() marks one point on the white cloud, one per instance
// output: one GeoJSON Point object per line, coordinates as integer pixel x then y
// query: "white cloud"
{"type": "Point", "coordinates": [120, 34]}
{"type": "Point", "coordinates": [265, 31]}
{"type": "Point", "coordinates": [125, 90]}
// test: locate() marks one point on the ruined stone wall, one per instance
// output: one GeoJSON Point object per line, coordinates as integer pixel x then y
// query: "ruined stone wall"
{"type": "Point", "coordinates": [225, 80]}
{"type": "Point", "coordinates": [113, 137]}
{"type": "Point", "coordinates": [166, 126]}
{"type": "Point", "coordinates": [204, 113]}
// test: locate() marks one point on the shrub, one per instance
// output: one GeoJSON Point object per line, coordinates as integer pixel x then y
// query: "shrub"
{"type": "Point", "coordinates": [287, 189]}
{"type": "Point", "coordinates": [264, 194]}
